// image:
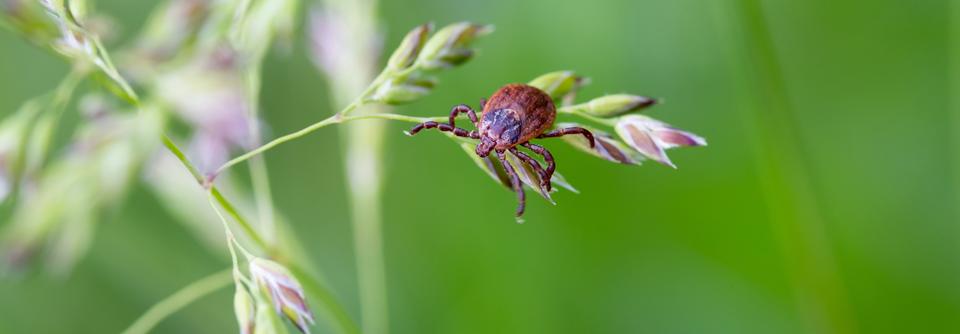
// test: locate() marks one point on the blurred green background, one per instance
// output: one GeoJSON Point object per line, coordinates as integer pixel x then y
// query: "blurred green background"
{"type": "Point", "coordinates": [643, 249]}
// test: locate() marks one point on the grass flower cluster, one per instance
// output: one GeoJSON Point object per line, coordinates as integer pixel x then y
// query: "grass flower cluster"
{"type": "Point", "coordinates": [197, 63]}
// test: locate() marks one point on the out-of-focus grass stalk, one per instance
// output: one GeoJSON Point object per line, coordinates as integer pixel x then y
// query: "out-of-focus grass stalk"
{"type": "Point", "coordinates": [770, 121]}
{"type": "Point", "coordinates": [363, 142]}
{"type": "Point", "coordinates": [258, 166]}
{"type": "Point", "coordinates": [66, 87]}
{"type": "Point", "coordinates": [954, 99]}
{"type": "Point", "coordinates": [178, 300]}
{"type": "Point", "coordinates": [60, 97]}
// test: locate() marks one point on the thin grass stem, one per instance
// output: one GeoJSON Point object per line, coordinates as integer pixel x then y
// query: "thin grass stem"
{"type": "Point", "coordinates": [254, 236]}
{"type": "Point", "coordinates": [331, 120]}
{"type": "Point", "coordinates": [259, 176]}
{"type": "Point", "coordinates": [179, 300]}
{"type": "Point", "coordinates": [341, 320]}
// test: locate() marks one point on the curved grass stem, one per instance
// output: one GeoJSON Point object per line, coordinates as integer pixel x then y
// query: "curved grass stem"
{"type": "Point", "coordinates": [338, 118]}
{"type": "Point", "coordinates": [179, 300]}
{"type": "Point", "coordinates": [335, 119]}
{"type": "Point", "coordinates": [254, 236]}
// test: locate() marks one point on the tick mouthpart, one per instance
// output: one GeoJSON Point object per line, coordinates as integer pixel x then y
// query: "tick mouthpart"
{"type": "Point", "coordinates": [486, 146]}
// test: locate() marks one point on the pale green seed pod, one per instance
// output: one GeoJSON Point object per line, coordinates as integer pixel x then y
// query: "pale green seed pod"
{"type": "Point", "coordinates": [267, 321]}
{"type": "Point", "coordinates": [403, 93]}
{"type": "Point", "coordinates": [409, 48]}
{"type": "Point", "coordinates": [243, 308]}
{"type": "Point", "coordinates": [557, 84]}
{"type": "Point", "coordinates": [450, 46]}
{"type": "Point", "coordinates": [79, 9]}
{"type": "Point", "coordinates": [651, 137]}
{"type": "Point", "coordinates": [38, 144]}
{"type": "Point", "coordinates": [30, 18]}
{"type": "Point", "coordinates": [13, 132]}
{"type": "Point", "coordinates": [618, 104]}
{"type": "Point", "coordinates": [281, 287]}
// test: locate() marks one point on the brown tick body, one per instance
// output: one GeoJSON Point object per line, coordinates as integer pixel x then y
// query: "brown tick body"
{"type": "Point", "coordinates": [514, 115]}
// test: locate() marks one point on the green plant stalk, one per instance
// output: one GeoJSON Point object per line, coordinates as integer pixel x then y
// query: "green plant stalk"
{"type": "Point", "coordinates": [183, 159]}
{"type": "Point", "coordinates": [320, 292]}
{"type": "Point", "coordinates": [231, 239]}
{"type": "Point", "coordinates": [216, 194]}
{"type": "Point", "coordinates": [368, 243]}
{"type": "Point", "coordinates": [362, 154]}
{"type": "Point", "coordinates": [258, 166]}
{"type": "Point", "coordinates": [263, 199]}
{"type": "Point", "coordinates": [362, 150]}
{"type": "Point", "coordinates": [954, 98]}
{"type": "Point", "coordinates": [178, 300]}
{"type": "Point", "coordinates": [243, 223]}
{"type": "Point", "coordinates": [275, 142]}
{"type": "Point", "coordinates": [335, 119]}
{"type": "Point", "coordinates": [66, 87]}
{"type": "Point", "coordinates": [769, 119]}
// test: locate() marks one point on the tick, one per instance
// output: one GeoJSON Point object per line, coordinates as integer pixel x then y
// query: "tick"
{"type": "Point", "coordinates": [513, 116]}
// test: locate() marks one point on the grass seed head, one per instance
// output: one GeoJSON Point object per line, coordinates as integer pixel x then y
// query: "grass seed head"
{"type": "Point", "coordinates": [451, 46]}
{"type": "Point", "coordinates": [618, 104]}
{"type": "Point", "coordinates": [651, 137]}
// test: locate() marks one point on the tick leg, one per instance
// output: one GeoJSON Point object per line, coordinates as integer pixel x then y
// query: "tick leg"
{"type": "Point", "coordinates": [444, 127]}
{"type": "Point", "coordinates": [544, 176]}
{"type": "Point", "coordinates": [483, 103]}
{"type": "Point", "coordinates": [463, 108]}
{"type": "Point", "coordinates": [547, 157]}
{"type": "Point", "coordinates": [516, 181]}
{"type": "Point", "coordinates": [569, 131]}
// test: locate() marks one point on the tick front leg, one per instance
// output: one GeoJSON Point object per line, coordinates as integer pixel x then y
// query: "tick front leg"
{"type": "Point", "coordinates": [516, 182]}
{"type": "Point", "coordinates": [544, 176]}
{"type": "Point", "coordinates": [569, 131]}
{"type": "Point", "coordinates": [547, 157]}
{"type": "Point", "coordinates": [444, 127]}
{"type": "Point", "coordinates": [463, 108]}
